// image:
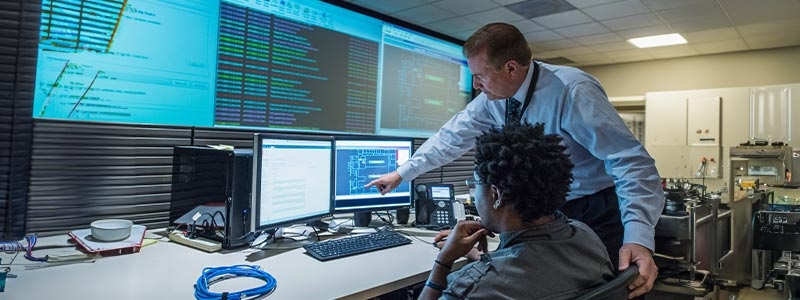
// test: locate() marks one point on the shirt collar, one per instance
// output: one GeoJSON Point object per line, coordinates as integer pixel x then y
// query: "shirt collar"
{"type": "Point", "coordinates": [523, 89]}
{"type": "Point", "coordinates": [555, 229]}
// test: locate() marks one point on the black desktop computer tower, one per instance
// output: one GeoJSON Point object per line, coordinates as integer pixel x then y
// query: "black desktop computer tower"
{"type": "Point", "coordinates": [217, 179]}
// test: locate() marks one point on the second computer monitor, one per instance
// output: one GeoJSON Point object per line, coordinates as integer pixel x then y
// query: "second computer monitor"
{"type": "Point", "coordinates": [361, 159]}
{"type": "Point", "coordinates": [292, 179]}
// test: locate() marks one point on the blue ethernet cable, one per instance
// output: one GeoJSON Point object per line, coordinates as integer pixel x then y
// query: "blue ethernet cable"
{"type": "Point", "coordinates": [213, 275]}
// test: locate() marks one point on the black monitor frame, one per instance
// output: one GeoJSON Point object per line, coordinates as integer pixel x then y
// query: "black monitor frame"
{"type": "Point", "coordinates": [338, 208]}
{"type": "Point", "coordinates": [258, 152]}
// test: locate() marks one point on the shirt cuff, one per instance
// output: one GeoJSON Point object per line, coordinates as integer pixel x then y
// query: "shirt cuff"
{"type": "Point", "coordinates": [406, 172]}
{"type": "Point", "coordinates": [639, 233]}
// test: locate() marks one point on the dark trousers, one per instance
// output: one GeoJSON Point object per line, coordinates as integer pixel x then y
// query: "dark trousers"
{"type": "Point", "coordinates": [601, 212]}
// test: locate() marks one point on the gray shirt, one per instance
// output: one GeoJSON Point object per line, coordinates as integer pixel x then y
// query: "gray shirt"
{"type": "Point", "coordinates": [557, 260]}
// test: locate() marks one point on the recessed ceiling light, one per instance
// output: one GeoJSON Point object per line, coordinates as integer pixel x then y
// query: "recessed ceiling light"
{"type": "Point", "coordinates": [658, 40]}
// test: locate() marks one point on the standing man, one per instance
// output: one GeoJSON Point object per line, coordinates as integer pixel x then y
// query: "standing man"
{"type": "Point", "coordinates": [616, 188]}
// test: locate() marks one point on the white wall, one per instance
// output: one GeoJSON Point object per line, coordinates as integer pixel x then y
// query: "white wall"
{"type": "Point", "coordinates": [728, 76]}
{"type": "Point", "coordinates": [738, 69]}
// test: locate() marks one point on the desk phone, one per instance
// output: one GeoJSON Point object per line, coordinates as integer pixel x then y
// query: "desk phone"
{"type": "Point", "coordinates": [437, 205]}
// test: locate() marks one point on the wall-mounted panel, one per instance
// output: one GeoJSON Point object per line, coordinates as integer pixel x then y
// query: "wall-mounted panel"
{"type": "Point", "coordinates": [703, 121]}
{"type": "Point", "coordinates": [665, 114]}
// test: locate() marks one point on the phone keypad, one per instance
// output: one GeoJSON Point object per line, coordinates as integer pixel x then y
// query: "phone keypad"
{"type": "Point", "coordinates": [441, 217]}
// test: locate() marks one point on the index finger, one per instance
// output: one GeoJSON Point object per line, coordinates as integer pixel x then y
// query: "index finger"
{"type": "Point", "coordinates": [372, 183]}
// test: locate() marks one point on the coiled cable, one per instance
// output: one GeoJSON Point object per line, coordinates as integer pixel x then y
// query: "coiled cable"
{"type": "Point", "coordinates": [213, 275]}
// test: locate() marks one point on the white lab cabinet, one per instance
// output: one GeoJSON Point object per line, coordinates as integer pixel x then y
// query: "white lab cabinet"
{"type": "Point", "coordinates": [682, 132]}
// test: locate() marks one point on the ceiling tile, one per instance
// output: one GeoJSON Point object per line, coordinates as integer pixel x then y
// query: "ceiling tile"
{"type": "Point", "coordinates": [769, 27]}
{"type": "Point", "coordinates": [720, 46]}
{"type": "Point", "coordinates": [598, 38]}
{"type": "Point", "coordinates": [556, 45]}
{"type": "Point", "coordinates": [538, 8]}
{"type": "Point", "coordinates": [500, 14]}
{"type": "Point", "coordinates": [576, 50]}
{"type": "Point", "coordinates": [460, 7]}
{"type": "Point", "coordinates": [542, 54]}
{"type": "Point", "coordinates": [700, 24]}
{"type": "Point", "coordinates": [627, 53]}
{"type": "Point", "coordinates": [616, 10]}
{"type": "Point", "coordinates": [644, 31]}
{"type": "Point", "coordinates": [692, 13]}
{"type": "Point", "coordinates": [635, 21]}
{"type": "Point", "coordinates": [563, 19]}
{"type": "Point", "coordinates": [615, 46]}
{"type": "Point", "coordinates": [670, 4]}
{"type": "Point", "coordinates": [464, 35]}
{"type": "Point", "coordinates": [590, 60]}
{"type": "Point", "coordinates": [542, 36]}
{"type": "Point", "coordinates": [597, 27]}
{"type": "Point", "coordinates": [671, 51]}
{"type": "Point", "coordinates": [389, 6]}
{"type": "Point", "coordinates": [772, 40]}
{"type": "Point", "coordinates": [712, 35]}
{"type": "Point", "coordinates": [425, 14]}
{"type": "Point", "coordinates": [588, 3]}
{"type": "Point", "coordinates": [582, 29]}
{"type": "Point", "coordinates": [453, 25]}
{"type": "Point", "coordinates": [527, 26]}
{"type": "Point", "coordinates": [745, 12]}
{"type": "Point", "coordinates": [507, 2]}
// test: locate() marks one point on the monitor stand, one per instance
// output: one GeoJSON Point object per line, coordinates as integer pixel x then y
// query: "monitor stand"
{"type": "Point", "coordinates": [362, 219]}
{"type": "Point", "coordinates": [280, 242]}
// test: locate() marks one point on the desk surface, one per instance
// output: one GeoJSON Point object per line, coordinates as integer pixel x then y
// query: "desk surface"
{"type": "Point", "coordinates": [168, 270]}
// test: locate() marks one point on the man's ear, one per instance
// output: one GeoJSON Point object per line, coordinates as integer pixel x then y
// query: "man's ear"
{"type": "Point", "coordinates": [511, 66]}
{"type": "Point", "coordinates": [514, 68]}
{"type": "Point", "coordinates": [496, 193]}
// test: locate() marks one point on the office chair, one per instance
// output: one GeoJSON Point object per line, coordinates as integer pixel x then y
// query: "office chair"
{"type": "Point", "coordinates": [615, 289]}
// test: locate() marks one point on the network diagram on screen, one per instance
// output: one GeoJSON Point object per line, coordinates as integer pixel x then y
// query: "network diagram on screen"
{"type": "Point", "coordinates": [361, 160]}
{"type": "Point", "coordinates": [295, 65]}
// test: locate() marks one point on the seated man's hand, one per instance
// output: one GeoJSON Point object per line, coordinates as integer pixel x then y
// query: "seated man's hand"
{"type": "Point", "coordinates": [461, 241]}
{"type": "Point", "coordinates": [438, 241]}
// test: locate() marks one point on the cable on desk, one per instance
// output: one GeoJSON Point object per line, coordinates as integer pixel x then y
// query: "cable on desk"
{"type": "Point", "coordinates": [213, 275]}
{"type": "Point", "coordinates": [12, 247]}
{"type": "Point", "coordinates": [389, 219]}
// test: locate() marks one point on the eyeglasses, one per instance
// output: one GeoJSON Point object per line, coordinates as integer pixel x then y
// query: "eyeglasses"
{"type": "Point", "coordinates": [472, 182]}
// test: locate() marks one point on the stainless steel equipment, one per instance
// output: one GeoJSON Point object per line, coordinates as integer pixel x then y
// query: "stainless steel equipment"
{"type": "Point", "coordinates": [771, 165]}
{"type": "Point", "coordinates": [752, 169]}
{"type": "Point", "coordinates": [776, 240]}
{"type": "Point", "coordinates": [685, 251]}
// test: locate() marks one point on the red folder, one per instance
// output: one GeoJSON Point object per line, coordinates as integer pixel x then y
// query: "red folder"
{"type": "Point", "coordinates": [89, 245]}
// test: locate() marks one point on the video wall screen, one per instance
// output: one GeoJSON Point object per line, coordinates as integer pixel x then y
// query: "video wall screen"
{"type": "Point", "coordinates": [287, 65]}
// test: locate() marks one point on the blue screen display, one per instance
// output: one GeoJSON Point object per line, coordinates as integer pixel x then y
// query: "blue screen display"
{"type": "Point", "coordinates": [283, 65]}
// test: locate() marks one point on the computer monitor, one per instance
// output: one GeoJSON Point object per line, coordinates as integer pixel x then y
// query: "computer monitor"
{"type": "Point", "coordinates": [292, 179]}
{"type": "Point", "coordinates": [361, 159]}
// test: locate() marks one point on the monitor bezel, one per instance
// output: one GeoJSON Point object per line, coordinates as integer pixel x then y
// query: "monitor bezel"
{"type": "Point", "coordinates": [256, 190]}
{"type": "Point", "coordinates": [406, 205]}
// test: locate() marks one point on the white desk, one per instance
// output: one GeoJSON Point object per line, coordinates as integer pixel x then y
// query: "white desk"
{"type": "Point", "coordinates": [168, 270]}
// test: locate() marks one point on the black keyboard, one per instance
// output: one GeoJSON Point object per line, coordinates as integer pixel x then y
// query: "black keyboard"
{"type": "Point", "coordinates": [352, 245]}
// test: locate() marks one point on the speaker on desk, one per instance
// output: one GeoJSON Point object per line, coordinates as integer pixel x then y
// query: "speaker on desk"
{"type": "Point", "coordinates": [215, 178]}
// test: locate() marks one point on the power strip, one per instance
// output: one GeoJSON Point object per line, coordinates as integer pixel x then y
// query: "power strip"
{"type": "Point", "coordinates": [198, 243]}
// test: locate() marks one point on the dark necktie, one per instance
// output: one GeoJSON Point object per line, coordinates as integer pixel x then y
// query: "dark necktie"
{"type": "Point", "coordinates": [512, 111]}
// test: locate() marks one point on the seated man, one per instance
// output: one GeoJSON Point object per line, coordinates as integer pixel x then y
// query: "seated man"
{"type": "Point", "coordinates": [522, 177]}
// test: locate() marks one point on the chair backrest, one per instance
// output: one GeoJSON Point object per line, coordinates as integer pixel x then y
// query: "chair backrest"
{"type": "Point", "coordinates": [617, 288]}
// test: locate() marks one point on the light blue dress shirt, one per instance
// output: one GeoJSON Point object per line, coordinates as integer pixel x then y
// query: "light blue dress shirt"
{"type": "Point", "coordinates": [572, 104]}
